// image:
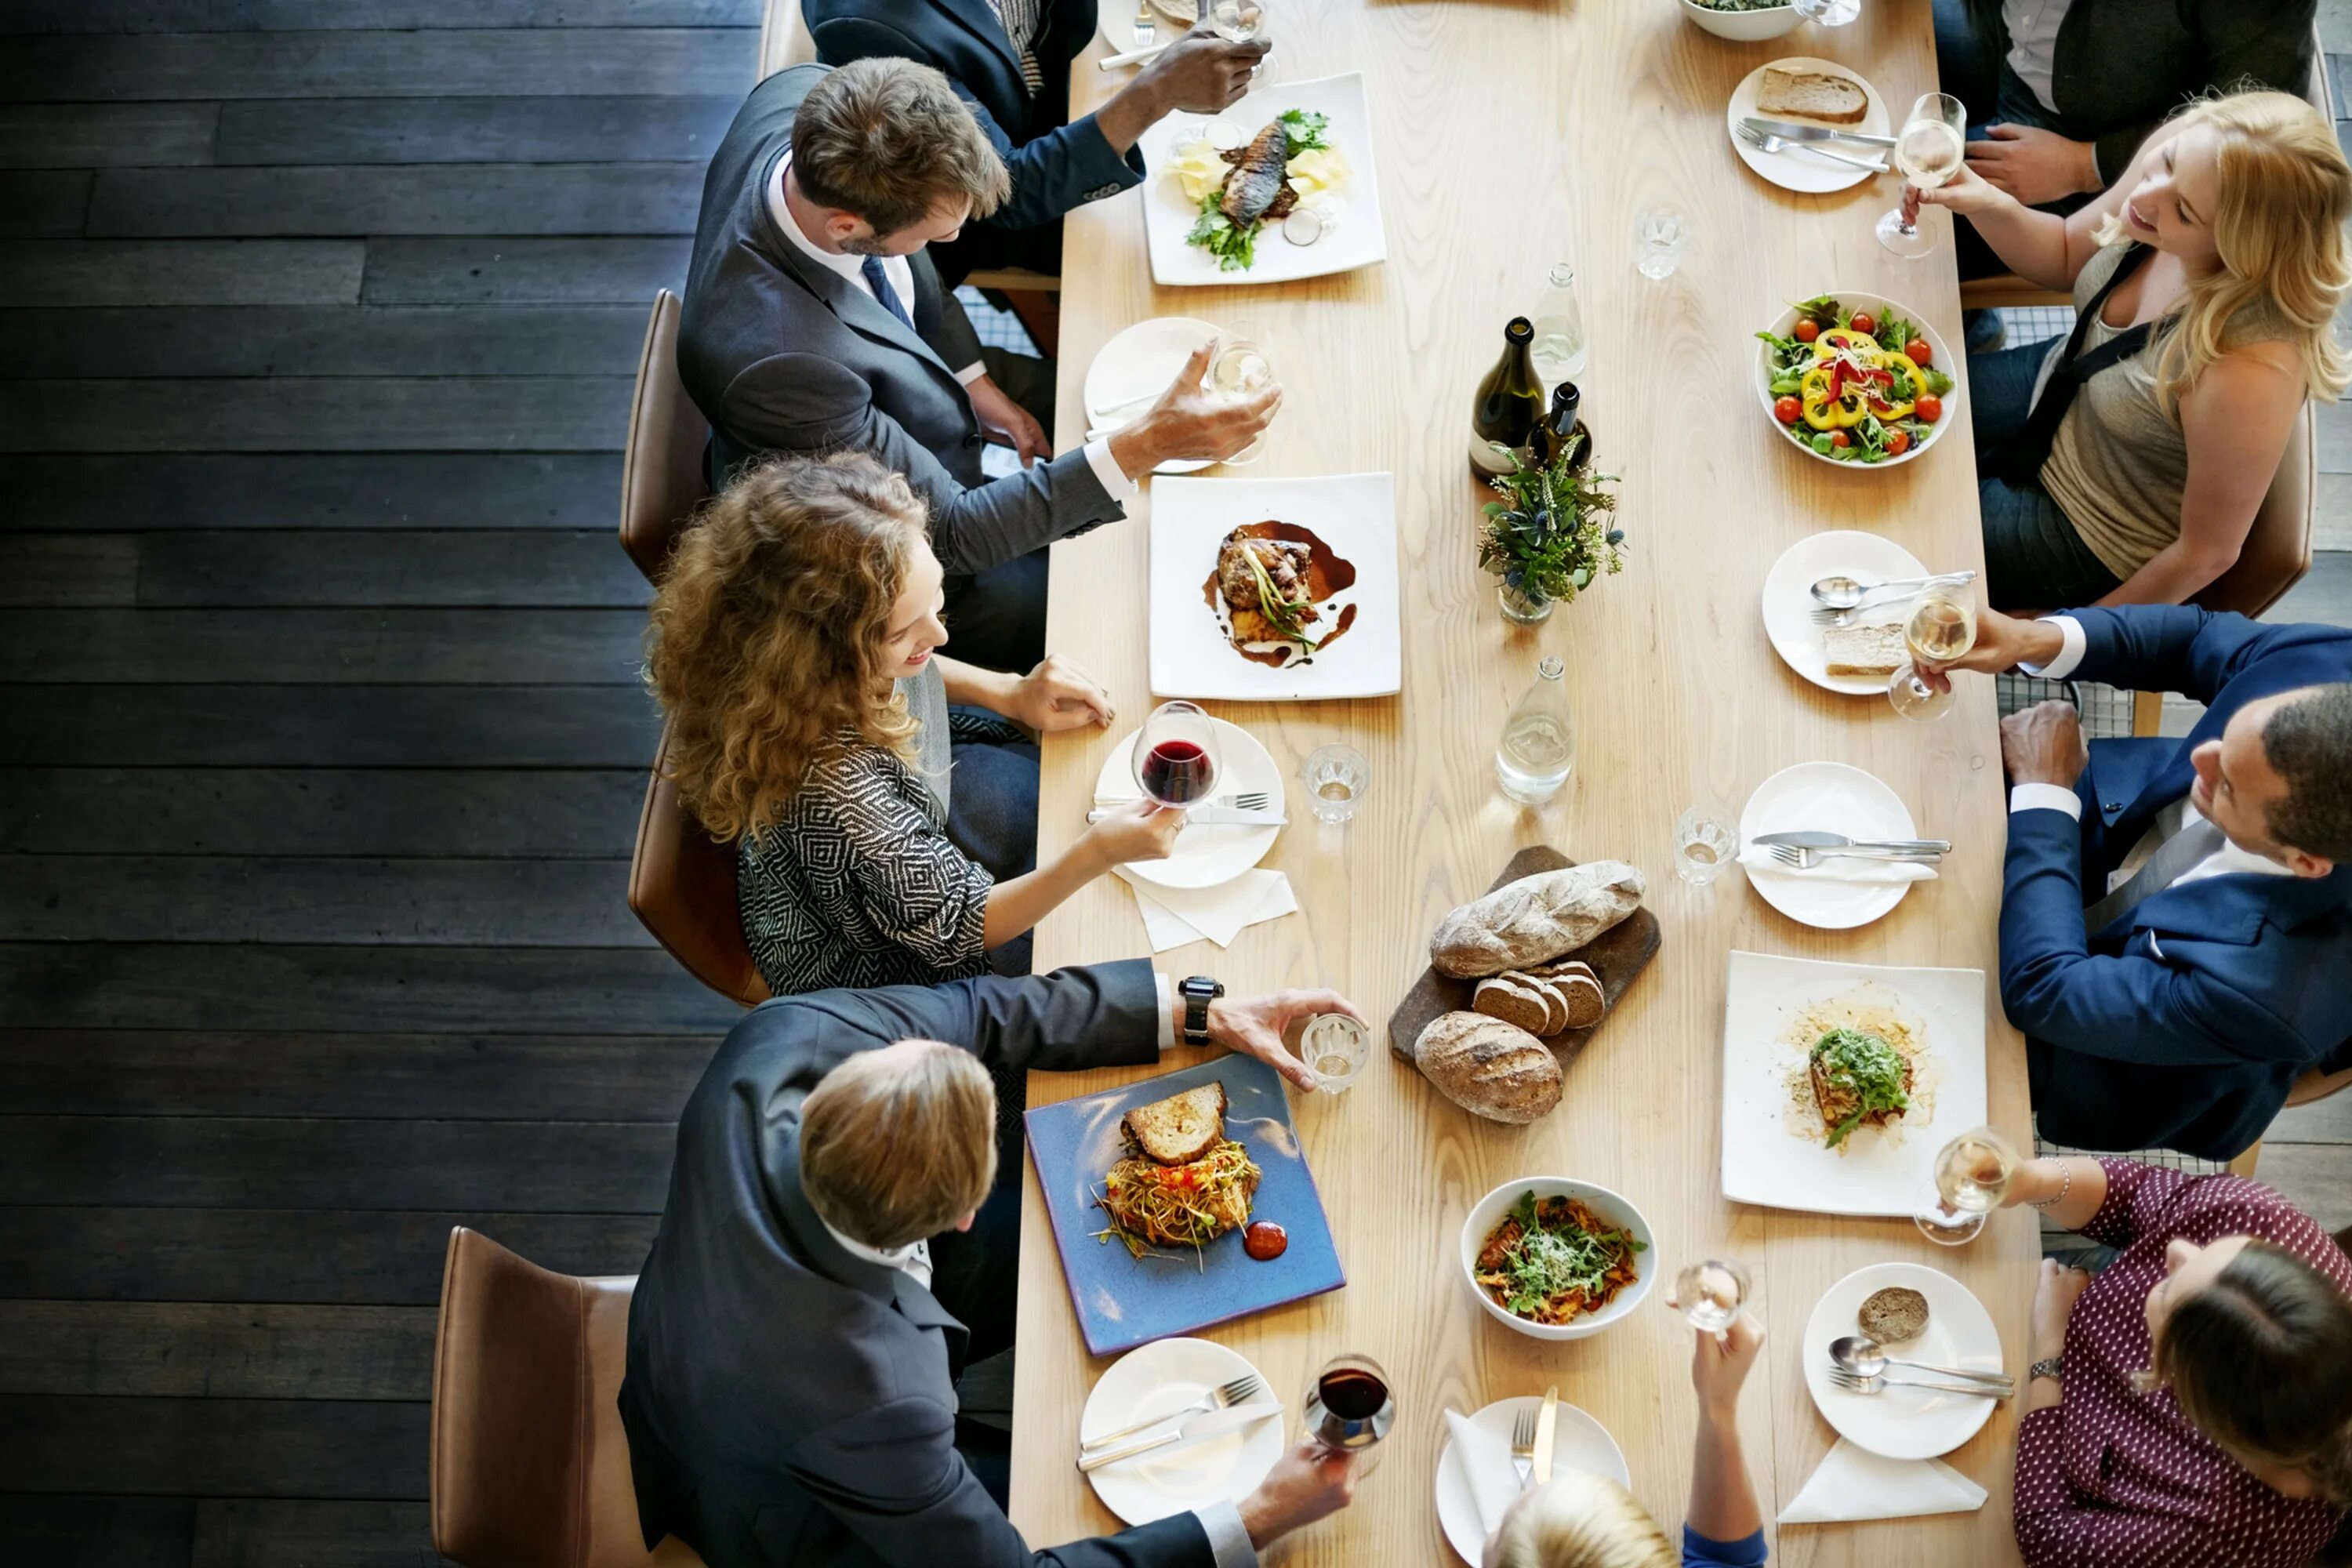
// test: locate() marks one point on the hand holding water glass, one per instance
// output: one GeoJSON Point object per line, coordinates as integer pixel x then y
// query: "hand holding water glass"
{"type": "Point", "coordinates": [1239, 371]}
{"type": "Point", "coordinates": [1710, 1293]}
{"type": "Point", "coordinates": [1930, 149]}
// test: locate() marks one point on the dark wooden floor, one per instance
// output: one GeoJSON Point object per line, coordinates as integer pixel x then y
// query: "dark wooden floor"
{"type": "Point", "coordinates": [320, 745]}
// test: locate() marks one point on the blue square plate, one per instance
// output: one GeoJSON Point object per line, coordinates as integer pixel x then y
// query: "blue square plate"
{"type": "Point", "coordinates": [1123, 1300]}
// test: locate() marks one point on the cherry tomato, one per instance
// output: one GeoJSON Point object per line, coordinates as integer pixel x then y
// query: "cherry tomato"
{"type": "Point", "coordinates": [1920, 351]}
{"type": "Point", "coordinates": [1840, 439]}
{"type": "Point", "coordinates": [1787, 410]}
{"type": "Point", "coordinates": [1929, 408]}
{"type": "Point", "coordinates": [1806, 329]}
{"type": "Point", "coordinates": [1898, 443]}
{"type": "Point", "coordinates": [1865, 323]}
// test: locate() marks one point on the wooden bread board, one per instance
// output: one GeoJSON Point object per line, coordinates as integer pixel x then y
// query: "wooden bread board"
{"type": "Point", "coordinates": [1617, 955]}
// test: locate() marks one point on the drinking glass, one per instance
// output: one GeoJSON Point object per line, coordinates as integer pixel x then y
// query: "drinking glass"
{"type": "Point", "coordinates": [1240, 22]}
{"type": "Point", "coordinates": [1703, 843]}
{"type": "Point", "coordinates": [1560, 351]}
{"type": "Point", "coordinates": [1710, 1293]}
{"type": "Point", "coordinates": [1929, 150]}
{"type": "Point", "coordinates": [1942, 626]}
{"type": "Point", "coordinates": [1336, 779]}
{"type": "Point", "coordinates": [1176, 761]}
{"type": "Point", "coordinates": [1829, 13]}
{"type": "Point", "coordinates": [1349, 1409]}
{"type": "Point", "coordinates": [1659, 236]}
{"type": "Point", "coordinates": [1335, 1049]}
{"type": "Point", "coordinates": [1238, 370]}
{"type": "Point", "coordinates": [1972, 1176]}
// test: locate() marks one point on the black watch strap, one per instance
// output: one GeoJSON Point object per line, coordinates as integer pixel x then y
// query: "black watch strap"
{"type": "Point", "coordinates": [1198, 991]}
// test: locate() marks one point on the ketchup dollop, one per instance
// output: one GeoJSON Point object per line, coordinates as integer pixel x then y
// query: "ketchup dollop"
{"type": "Point", "coordinates": [1265, 1240]}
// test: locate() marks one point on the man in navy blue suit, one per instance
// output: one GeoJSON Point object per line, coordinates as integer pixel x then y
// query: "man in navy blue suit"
{"type": "Point", "coordinates": [1010, 61]}
{"type": "Point", "coordinates": [2176, 921]}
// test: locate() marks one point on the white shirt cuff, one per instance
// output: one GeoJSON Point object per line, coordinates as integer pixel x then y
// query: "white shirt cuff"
{"type": "Point", "coordinates": [1229, 1541]}
{"type": "Point", "coordinates": [1122, 488]}
{"type": "Point", "coordinates": [2045, 797]}
{"type": "Point", "coordinates": [2072, 646]}
{"type": "Point", "coordinates": [970, 373]}
{"type": "Point", "coordinates": [1166, 991]}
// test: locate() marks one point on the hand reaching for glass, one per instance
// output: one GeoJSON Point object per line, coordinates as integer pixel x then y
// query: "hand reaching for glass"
{"type": "Point", "coordinates": [1192, 422]}
{"type": "Point", "coordinates": [2004, 643]}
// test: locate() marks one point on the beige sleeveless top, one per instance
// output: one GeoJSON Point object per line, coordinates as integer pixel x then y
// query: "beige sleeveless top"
{"type": "Point", "coordinates": [2119, 463]}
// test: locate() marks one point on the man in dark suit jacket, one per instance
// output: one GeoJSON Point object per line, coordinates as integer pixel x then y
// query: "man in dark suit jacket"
{"type": "Point", "coordinates": [1019, 89]}
{"type": "Point", "coordinates": [794, 1341]}
{"type": "Point", "coordinates": [2212, 965]}
{"type": "Point", "coordinates": [814, 321]}
{"type": "Point", "coordinates": [2062, 92]}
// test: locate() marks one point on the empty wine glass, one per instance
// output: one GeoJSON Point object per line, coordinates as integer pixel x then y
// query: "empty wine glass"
{"type": "Point", "coordinates": [1942, 626]}
{"type": "Point", "coordinates": [1176, 761]}
{"type": "Point", "coordinates": [1829, 13]}
{"type": "Point", "coordinates": [1972, 1176]}
{"type": "Point", "coordinates": [1929, 151]}
{"type": "Point", "coordinates": [1349, 1409]}
{"type": "Point", "coordinates": [1239, 370]}
{"type": "Point", "coordinates": [1710, 1293]}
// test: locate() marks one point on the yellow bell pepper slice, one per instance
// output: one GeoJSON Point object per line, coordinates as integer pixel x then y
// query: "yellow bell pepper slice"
{"type": "Point", "coordinates": [1896, 407]}
{"type": "Point", "coordinates": [1861, 341]}
{"type": "Point", "coordinates": [1820, 412]}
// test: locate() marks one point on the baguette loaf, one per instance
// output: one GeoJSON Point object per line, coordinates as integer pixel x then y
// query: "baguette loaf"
{"type": "Point", "coordinates": [1489, 1067]}
{"type": "Point", "coordinates": [1812, 95]}
{"type": "Point", "coordinates": [1535, 919]}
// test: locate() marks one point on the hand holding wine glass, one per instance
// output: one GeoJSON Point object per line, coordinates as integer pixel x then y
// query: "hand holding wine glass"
{"type": "Point", "coordinates": [1972, 1176]}
{"type": "Point", "coordinates": [1176, 757]}
{"type": "Point", "coordinates": [1940, 628]}
{"type": "Point", "coordinates": [1931, 148]}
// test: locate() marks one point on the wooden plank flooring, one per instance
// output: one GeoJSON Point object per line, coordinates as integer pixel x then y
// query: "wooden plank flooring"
{"type": "Point", "coordinates": [322, 739]}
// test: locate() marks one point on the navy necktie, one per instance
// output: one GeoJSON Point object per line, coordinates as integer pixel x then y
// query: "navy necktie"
{"type": "Point", "coordinates": [870, 268]}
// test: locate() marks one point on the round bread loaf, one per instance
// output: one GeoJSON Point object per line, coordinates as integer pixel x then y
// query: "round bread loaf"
{"type": "Point", "coordinates": [1535, 919]}
{"type": "Point", "coordinates": [1489, 1067]}
{"type": "Point", "coordinates": [1893, 1315]}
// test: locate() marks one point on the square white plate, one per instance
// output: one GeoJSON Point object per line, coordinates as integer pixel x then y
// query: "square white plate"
{"type": "Point", "coordinates": [1873, 1173]}
{"type": "Point", "coordinates": [1354, 514]}
{"type": "Point", "coordinates": [1355, 238]}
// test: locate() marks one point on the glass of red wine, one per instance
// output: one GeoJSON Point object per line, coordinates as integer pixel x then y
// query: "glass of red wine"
{"type": "Point", "coordinates": [1349, 1409]}
{"type": "Point", "coordinates": [1176, 761]}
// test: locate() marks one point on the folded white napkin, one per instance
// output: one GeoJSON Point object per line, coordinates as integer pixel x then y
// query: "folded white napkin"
{"type": "Point", "coordinates": [1759, 861]}
{"type": "Point", "coordinates": [1483, 1462]}
{"type": "Point", "coordinates": [1175, 916]}
{"type": "Point", "coordinates": [1853, 1483]}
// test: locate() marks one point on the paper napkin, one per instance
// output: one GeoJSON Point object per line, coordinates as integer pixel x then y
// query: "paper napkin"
{"type": "Point", "coordinates": [1175, 916]}
{"type": "Point", "coordinates": [1854, 1484]}
{"type": "Point", "coordinates": [1484, 1461]}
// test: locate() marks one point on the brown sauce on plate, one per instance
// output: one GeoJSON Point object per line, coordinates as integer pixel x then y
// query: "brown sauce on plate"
{"type": "Point", "coordinates": [1328, 572]}
{"type": "Point", "coordinates": [1265, 1240]}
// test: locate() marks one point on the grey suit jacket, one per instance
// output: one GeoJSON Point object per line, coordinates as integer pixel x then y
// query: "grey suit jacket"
{"type": "Point", "coordinates": [787, 1403]}
{"type": "Point", "coordinates": [782, 356]}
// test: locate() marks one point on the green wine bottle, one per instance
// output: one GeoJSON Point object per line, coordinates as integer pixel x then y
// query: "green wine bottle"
{"type": "Point", "coordinates": [1510, 402]}
{"type": "Point", "coordinates": [1561, 431]}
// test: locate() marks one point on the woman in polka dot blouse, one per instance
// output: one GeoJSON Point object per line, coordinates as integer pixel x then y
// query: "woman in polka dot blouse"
{"type": "Point", "coordinates": [2191, 1405]}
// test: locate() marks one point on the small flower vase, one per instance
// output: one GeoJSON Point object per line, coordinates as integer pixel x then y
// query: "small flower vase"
{"type": "Point", "coordinates": [1521, 607]}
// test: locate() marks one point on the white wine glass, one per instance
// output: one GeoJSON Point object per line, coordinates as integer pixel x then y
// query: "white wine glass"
{"type": "Point", "coordinates": [1239, 370]}
{"type": "Point", "coordinates": [1710, 1293]}
{"type": "Point", "coordinates": [1972, 1176]}
{"type": "Point", "coordinates": [1942, 626]}
{"type": "Point", "coordinates": [1929, 150]}
{"type": "Point", "coordinates": [1829, 13]}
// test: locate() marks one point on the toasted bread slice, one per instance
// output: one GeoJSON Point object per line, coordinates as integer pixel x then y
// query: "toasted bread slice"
{"type": "Point", "coordinates": [1181, 1128]}
{"type": "Point", "coordinates": [1812, 95]}
{"type": "Point", "coordinates": [1893, 1315]}
{"type": "Point", "coordinates": [1876, 649]}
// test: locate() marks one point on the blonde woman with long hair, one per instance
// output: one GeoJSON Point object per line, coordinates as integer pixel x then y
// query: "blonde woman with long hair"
{"type": "Point", "coordinates": [794, 643]}
{"type": "Point", "coordinates": [2124, 464]}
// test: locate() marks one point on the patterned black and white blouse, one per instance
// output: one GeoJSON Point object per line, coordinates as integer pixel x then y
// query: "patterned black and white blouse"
{"type": "Point", "coordinates": [857, 883]}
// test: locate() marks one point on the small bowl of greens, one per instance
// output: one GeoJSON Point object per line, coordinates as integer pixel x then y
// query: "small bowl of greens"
{"type": "Point", "coordinates": [1743, 21]}
{"type": "Point", "coordinates": [1556, 1258]}
{"type": "Point", "coordinates": [1856, 379]}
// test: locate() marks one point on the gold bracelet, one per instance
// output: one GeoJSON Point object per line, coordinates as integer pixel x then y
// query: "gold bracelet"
{"type": "Point", "coordinates": [2066, 1185]}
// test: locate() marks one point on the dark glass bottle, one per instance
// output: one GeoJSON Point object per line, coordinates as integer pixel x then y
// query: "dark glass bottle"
{"type": "Point", "coordinates": [1561, 430]}
{"type": "Point", "coordinates": [1510, 402]}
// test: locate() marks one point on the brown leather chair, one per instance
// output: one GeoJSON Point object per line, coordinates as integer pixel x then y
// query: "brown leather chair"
{"type": "Point", "coordinates": [682, 887]}
{"type": "Point", "coordinates": [530, 1466]}
{"type": "Point", "coordinates": [2277, 551]}
{"type": "Point", "coordinates": [662, 476]}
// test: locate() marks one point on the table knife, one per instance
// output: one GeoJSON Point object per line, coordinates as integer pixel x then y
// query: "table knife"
{"type": "Point", "coordinates": [1810, 840]}
{"type": "Point", "coordinates": [1212, 816]}
{"type": "Point", "coordinates": [1209, 1424]}
{"type": "Point", "coordinates": [1789, 131]}
{"type": "Point", "coordinates": [1547, 1428]}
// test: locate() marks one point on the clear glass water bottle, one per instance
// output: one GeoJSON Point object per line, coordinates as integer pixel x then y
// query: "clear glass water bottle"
{"type": "Point", "coordinates": [1538, 747]}
{"type": "Point", "coordinates": [1560, 351]}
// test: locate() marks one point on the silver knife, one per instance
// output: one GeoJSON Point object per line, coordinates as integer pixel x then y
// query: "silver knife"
{"type": "Point", "coordinates": [1789, 131]}
{"type": "Point", "coordinates": [1810, 840]}
{"type": "Point", "coordinates": [1209, 1424]}
{"type": "Point", "coordinates": [1211, 817]}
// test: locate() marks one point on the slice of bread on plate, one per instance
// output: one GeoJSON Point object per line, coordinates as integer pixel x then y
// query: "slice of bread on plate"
{"type": "Point", "coordinates": [1181, 1128]}
{"type": "Point", "coordinates": [1874, 649]}
{"type": "Point", "coordinates": [1812, 95]}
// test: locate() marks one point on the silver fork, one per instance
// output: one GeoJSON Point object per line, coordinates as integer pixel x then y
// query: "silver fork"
{"type": "Point", "coordinates": [1147, 31]}
{"type": "Point", "coordinates": [1854, 1382]}
{"type": "Point", "coordinates": [1523, 1445]}
{"type": "Point", "coordinates": [1804, 859]}
{"type": "Point", "coordinates": [1248, 800]}
{"type": "Point", "coordinates": [1240, 1391]}
{"type": "Point", "coordinates": [1768, 144]}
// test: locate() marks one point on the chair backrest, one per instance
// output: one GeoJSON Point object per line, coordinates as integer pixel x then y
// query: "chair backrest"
{"type": "Point", "coordinates": [783, 38]}
{"type": "Point", "coordinates": [662, 476]}
{"type": "Point", "coordinates": [2277, 551]}
{"type": "Point", "coordinates": [682, 887]}
{"type": "Point", "coordinates": [530, 1464]}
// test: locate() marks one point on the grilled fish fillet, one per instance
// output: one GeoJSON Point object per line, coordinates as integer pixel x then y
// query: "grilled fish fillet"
{"type": "Point", "coordinates": [1259, 187]}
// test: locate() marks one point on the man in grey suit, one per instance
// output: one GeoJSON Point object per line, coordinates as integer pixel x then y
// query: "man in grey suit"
{"type": "Point", "coordinates": [814, 321]}
{"type": "Point", "coordinates": [841, 1236]}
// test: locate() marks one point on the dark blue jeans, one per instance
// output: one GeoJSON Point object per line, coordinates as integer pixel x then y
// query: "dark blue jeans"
{"type": "Point", "coordinates": [2033, 558]}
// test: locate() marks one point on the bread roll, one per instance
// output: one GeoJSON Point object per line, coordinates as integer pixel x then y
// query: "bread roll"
{"type": "Point", "coordinates": [1514, 1003]}
{"type": "Point", "coordinates": [1535, 919]}
{"type": "Point", "coordinates": [1489, 1067]}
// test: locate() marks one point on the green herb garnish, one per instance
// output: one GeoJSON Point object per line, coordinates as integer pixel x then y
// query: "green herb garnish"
{"type": "Point", "coordinates": [1866, 1066]}
{"type": "Point", "coordinates": [1284, 616]}
{"type": "Point", "coordinates": [1549, 1260]}
{"type": "Point", "coordinates": [1235, 247]}
{"type": "Point", "coordinates": [1303, 130]}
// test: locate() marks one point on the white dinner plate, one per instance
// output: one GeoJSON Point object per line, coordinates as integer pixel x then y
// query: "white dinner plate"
{"type": "Point", "coordinates": [1206, 856]}
{"type": "Point", "coordinates": [1354, 236]}
{"type": "Point", "coordinates": [1164, 1376]}
{"type": "Point", "coordinates": [1578, 1443]}
{"type": "Point", "coordinates": [1789, 600]}
{"type": "Point", "coordinates": [1772, 1153]}
{"type": "Point", "coordinates": [1141, 362]}
{"type": "Point", "coordinates": [1798, 170]}
{"type": "Point", "coordinates": [1827, 798]}
{"type": "Point", "coordinates": [1905, 1423]}
{"type": "Point", "coordinates": [1191, 655]}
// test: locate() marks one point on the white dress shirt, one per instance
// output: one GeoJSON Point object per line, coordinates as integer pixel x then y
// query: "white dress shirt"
{"type": "Point", "coordinates": [2033, 42]}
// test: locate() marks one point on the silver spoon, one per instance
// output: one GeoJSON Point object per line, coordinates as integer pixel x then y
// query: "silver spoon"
{"type": "Point", "coordinates": [1838, 592]}
{"type": "Point", "coordinates": [1864, 1357]}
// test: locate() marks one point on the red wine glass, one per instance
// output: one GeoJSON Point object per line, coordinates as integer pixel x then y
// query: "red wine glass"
{"type": "Point", "coordinates": [1349, 1409]}
{"type": "Point", "coordinates": [1176, 760]}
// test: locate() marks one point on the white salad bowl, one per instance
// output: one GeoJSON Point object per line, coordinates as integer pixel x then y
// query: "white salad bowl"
{"type": "Point", "coordinates": [1743, 26]}
{"type": "Point", "coordinates": [1877, 305]}
{"type": "Point", "coordinates": [1488, 1212]}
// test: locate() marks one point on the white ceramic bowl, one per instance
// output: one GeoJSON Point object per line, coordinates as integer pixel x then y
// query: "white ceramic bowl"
{"type": "Point", "coordinates": [1743, 26]}
{"type": "Point", "coordinates": [1488, 1212]}
{"type": "Point", "coordinates": [1878, 305]}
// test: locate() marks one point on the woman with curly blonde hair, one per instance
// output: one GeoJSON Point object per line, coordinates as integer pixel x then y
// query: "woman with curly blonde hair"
{"type": "Point", "coordinates": [793, 644]}
{"type": "Point", "coordinates": [2124, 464]}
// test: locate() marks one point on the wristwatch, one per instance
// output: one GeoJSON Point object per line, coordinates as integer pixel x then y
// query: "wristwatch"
{"type": "Point", "coordinates": [1198, 991]}
{"type": "Point", "coordinates": [2046, 1367]}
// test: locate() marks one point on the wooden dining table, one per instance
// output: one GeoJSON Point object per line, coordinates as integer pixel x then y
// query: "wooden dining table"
{"type": "Point", "coordinates": [1510, 135]}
